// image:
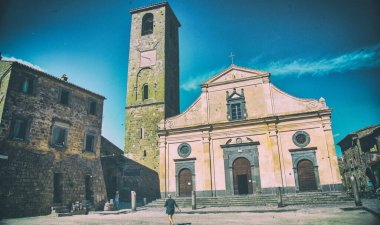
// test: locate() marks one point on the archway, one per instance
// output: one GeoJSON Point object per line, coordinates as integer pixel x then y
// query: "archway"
{"type": "Point", "coordinates": [185, 183]}
{"type": "Point", "coordinates": [242, 177]}
{"type": "Point", "coordinates": [306, 176]}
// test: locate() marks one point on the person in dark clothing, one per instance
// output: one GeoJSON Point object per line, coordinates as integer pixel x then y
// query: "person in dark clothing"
{"type": "Point", "coordinates": [170, 204]}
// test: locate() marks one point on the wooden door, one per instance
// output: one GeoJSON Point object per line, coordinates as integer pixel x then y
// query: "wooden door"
{"type": "Point", "coordinates": [306, 176]}
{"type": "Point", "coordinates": [185, 183]}
{"type": "Point", "coordinates": [242, 177]}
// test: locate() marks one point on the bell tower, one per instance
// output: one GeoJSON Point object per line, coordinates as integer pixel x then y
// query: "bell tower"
{"type": "Point", "coordinates": [153, 80]}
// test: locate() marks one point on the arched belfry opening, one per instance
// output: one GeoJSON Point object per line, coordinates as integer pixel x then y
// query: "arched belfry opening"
{"type": "Point", "coordinates": [147, 24]}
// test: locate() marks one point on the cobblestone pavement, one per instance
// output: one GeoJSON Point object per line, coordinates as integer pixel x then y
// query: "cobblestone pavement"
{"type": "Point", "coordinates": [216, 216]}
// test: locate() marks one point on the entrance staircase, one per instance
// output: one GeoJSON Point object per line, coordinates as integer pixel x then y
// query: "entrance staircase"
{"type": "Point", "coordinates": [305, 198]}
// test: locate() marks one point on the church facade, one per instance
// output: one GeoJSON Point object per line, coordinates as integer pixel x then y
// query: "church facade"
{"type": "Point", "coordinates": [243, 135]}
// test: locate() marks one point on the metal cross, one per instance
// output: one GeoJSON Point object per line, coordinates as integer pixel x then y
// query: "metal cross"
{"type": "Point", "coordinates": [232, 58]}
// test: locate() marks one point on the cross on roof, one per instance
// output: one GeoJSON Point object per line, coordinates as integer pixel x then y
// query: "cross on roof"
{"type": "Point", "coordinates": [232, 58]}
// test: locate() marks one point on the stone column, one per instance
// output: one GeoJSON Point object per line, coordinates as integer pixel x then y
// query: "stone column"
{"type": "Point", "coordinates": [276, 158]}
{"type": "Point", "coordinates": [206, 173]}
{"type": "Point", "coordinates": [133, 201]}
{"type": "Point", "coordinates": [163, 174]}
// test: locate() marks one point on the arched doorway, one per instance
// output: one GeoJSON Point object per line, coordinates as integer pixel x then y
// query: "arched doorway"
{"type": "Point", "coordinates": [306, 176]}
{"type": "Point", "coordinates": [185, 183]}
{"type": "Point", "coordinates": [242, 177]}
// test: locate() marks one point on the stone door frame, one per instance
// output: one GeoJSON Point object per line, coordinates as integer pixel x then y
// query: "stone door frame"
{"type": "Point", "coordinates": [181, 164]}
{"type": "Point", "coordinates": [248, 150]}
{"type": "Point", "coordinates": [305, 154]}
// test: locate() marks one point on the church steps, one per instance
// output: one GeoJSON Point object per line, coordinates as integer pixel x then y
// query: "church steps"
{"type": "Point", "coordinates": [312, 198]}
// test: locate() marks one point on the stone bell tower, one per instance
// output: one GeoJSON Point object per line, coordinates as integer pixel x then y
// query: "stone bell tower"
{"type": "Point", "coordinates": [153, 80]}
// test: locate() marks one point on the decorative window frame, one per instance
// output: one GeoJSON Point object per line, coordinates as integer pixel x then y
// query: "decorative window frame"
{"type": "Point", "coordinates": [301, 145]}
{"type": "Point", "coordinates": [236, 98]}
{"type": "Point", "coordinates": [69, 96]}
{"type": "Point", "coordinates": [179, 150]}
{"type": "Point", "coordinates": [27, 120]}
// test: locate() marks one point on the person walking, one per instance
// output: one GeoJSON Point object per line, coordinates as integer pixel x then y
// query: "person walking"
{"type": "Point", "coordinates": [170, 204]}
{"type": "Point", "coordinates": [117, 198]}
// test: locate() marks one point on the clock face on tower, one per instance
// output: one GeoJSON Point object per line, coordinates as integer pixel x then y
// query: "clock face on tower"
{"type": "Point", "coordinates": [148, 58]}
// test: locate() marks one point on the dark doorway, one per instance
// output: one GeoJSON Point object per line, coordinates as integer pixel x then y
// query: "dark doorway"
{"type": "Point", "coordinates": [88, 188]}
{"type": "Point", "coordinates": [306, 176]}
{"type": "Point", "coordinates": [242, 184]}
{"type": "Point", "coordinates": [58, 188]}
{"type": "Point", "coordinates": [185, 183]}
{"type": "Point", "coordinates": [242, 176]}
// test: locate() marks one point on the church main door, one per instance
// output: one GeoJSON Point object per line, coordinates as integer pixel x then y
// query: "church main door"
{"type": "Point", "coordinates": [242, 177]}
{"type": "Point", "coordinates": [185, 183]}
{"type": "Point", "coordinates": [306, 176]}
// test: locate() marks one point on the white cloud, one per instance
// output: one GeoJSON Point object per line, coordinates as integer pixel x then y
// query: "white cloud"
{"type": "Point", "coordinates": [194, 83]}
{"type": "Point", "coordinates": [337, 135]}
{"type": "Point", "coordinates": [359, 59]}
{"type": "Point", "coordinates": [13, 59]}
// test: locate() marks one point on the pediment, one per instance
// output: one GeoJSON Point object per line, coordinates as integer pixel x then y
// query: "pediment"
{"type": "Point", "coordinates": [234, 73]}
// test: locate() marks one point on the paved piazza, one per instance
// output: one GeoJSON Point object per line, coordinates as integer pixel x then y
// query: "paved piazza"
{"type": "Point", "coordinates": [325, 215]}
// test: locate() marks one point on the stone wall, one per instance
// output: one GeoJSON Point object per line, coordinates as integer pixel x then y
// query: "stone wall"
{"type": "Point", "coordinates": [126, 175]}
{"type": "Point", "coordinates": [27, 178]}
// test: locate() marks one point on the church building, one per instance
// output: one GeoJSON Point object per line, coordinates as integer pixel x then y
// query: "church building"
{"type": "Point", "coordinates": [241, 136]}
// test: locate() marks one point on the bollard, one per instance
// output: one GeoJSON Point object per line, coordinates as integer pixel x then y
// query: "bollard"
{"type": "Point", "coordinates": [279, 198]}
{"type": "Point", "coordinates": [144, 201]}
{"type": "Point", "coordinates": [355, 191]}
{"type": "Point", "coordinates": [193, 200]}
{"type": "Point", "coordinates": [133, 201]}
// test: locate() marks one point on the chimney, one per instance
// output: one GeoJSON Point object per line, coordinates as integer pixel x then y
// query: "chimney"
{"type": "Point", "coordinates": [64, 77]}
{"type": "Point", "coordinates": [1, 57]}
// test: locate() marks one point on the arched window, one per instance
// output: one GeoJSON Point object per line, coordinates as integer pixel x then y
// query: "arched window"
{"type": "Point", "coordinates": [145, 92]}
{"type": "Point", "coordinates": [147, 24]}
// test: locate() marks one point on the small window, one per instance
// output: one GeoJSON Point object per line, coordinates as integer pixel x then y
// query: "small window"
{"type": "Point", "coordinates": [145, 92]}
{"type": "Point", "coordinates": [64, 97]}
{"type": "Point", "coordinates": [20, 129]}
{"type": "Point", "coordinates": [236, 111]}
{"type": "Point", "coordinates": [141, 133]}
{"type": "Point", "coordinates": [144, 153]}
{"type": "Point", "coordinates": [92, 107]}
{"type": "Point", "coordinates": [59, 137]}
{"type": "Point", "coordinates": [147, 24]}
{"type": "Point", "coordinates": [27, 85]}
{"type": "Point", "coordinates": [90, 143]}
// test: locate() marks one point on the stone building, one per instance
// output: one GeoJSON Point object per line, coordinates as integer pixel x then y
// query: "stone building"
{"type": "Point", "coordinates": [126, 175]}
{"type": "Point", "coordinates": [153, 80]}
{"type": "Point", "coordinates": [361, 157]}
{"type": "Point", "coordinates": [243, 135]}
{"type": "Point", "coordinates": [49, 141]}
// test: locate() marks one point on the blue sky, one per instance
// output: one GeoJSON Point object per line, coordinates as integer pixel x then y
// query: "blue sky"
{"type": "Point", "coordinates": [313, 49]}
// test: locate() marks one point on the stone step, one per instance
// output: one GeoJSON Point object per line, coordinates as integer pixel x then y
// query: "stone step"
{"type": "Point", "coordinates": [305, 198]}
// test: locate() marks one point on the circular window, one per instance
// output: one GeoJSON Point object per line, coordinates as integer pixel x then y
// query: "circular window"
{"type": "Point", "coordinates": [184, 150]}
{"type": "Point", "coordinates": [301, 139]}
